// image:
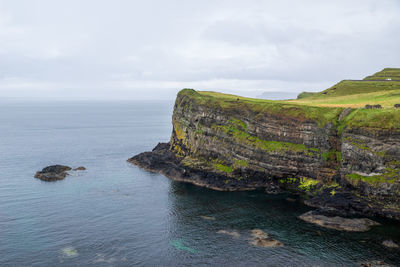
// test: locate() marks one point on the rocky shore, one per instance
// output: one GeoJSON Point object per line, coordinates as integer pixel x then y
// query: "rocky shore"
{"type": "Point", "coordinates": [343, 203]}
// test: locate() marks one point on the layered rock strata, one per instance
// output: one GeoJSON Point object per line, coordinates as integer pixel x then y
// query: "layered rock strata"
{"type": "Point", "coordinates": [226, 142]}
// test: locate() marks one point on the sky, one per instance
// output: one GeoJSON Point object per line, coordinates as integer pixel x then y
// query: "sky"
{"type": "Point", "coordinates": [114, 49]}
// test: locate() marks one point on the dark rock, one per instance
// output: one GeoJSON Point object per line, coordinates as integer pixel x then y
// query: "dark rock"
{"type": "Point", "coordinates": [161, 146]}
{"type": "Point", "coordinates": [373, 106]}
{"type": "Point", "coordinates": [390, 244]}
{"type": "Point", "coordinates": [345, 203]}
{"type": "Point", "coordinates": [81, 168]}
{"type": "Point", "coordinates": [338, 223]}
{"type": "Point", "coordinates": [231, 233]}
{"type": "Point", "coordinates": [52, 173]}
{"type": "Point", "coordinates": [273, 189]}
{"type": "Point", "coordinates": [164, 161]}
{"type": "Point", "coordinates": [375, 263]}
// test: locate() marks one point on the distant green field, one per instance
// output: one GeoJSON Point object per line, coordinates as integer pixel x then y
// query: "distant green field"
{"type": "Point", "coordinates": [345, 96]}
{"type": "Point", "coordinates": [373, 90]}
{"type": "Point", "coordinates": [385, 74]}
{"type": "Point", "coordinates": [326, 106]}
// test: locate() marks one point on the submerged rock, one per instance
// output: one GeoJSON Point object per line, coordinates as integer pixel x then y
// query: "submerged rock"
{"type": "Point", "coordinates": [231, 233]}
{"type": "Point", "coordinates": [53, 173]}
{"type": "Point", "coordinates": [69, 252]}
{"type": "Point", "coordinates": [261, 239]}
{"type": "Point", "coordinates": [375, 263]}
{"type": "Point", "coordinates": [178, 244]}
{"type": "Point", "coordinates": [390, 244]}
{"type": "Point", "coordinates": [338, 223]}
{"type": "Point", "coordinates": [210, 218]}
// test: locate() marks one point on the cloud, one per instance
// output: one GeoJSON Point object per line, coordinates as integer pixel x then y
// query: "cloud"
{"type": "Point", "coordinates": [132, 49]}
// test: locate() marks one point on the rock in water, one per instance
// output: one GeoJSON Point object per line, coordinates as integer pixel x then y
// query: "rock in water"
{"type": "Point", "coordinates": [210, 218]}
{"type": "Point", "coordinates": [390, 244]}
{"type": "Point", "coordinates": [81, 168]}
{"type": "Point", "coordinates": [375, 263]}
{"type": "Point", "coordinates": [261, 239]}
{"type": "Point", "coordinates": [53, 173]}
{"type": "Point", "coordinates": [338, 223]}
{"type": "Point", "coordinates": [231, 233]}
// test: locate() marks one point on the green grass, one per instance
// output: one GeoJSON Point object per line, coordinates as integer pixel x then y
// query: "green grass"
{"type": "Point", "coordinates": [223, 168]}
{"type": "Point", "coordinates": [355, 94]}
{"type": "Point", "coordinates": [305, 95]}
{"type": "Point", "coordinates": [392, 73]}
{"type": "Point", "coordinates": [241, 163]}
{"type": "Point", "coordinates": [387, 119]}
{"type": "Point", "coordinates": [323, 107]}
{"type": "Point", "coordinates": [307, 184]}
{"type": "Point", "coordinates": [332, 156]}
{"type": "Point", "coordinates": [262, 107]}
{"type": "Point", "coordinates": [390, 177]}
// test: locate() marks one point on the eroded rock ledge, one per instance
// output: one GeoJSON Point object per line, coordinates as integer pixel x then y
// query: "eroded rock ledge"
{"type": "Point", "coordinates": [164, 161]}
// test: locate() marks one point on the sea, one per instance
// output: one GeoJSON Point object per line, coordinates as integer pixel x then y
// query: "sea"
{"type": "Point", "coordinates": [116, 214]}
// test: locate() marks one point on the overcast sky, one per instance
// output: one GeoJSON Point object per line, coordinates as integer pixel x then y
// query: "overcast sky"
{"type": "Point", "coordinates": [150, 49]}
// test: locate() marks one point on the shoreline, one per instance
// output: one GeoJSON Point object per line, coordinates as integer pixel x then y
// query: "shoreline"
{"type": "Point", "coordinates": [344, 203]}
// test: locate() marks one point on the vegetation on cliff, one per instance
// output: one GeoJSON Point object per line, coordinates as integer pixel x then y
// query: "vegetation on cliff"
{"type": "Point", "coordinates": [232, 124]}
{"type": "Point", "coordinates": [327, 145]}
{"type": "Point", "coordinates": [321, 115]}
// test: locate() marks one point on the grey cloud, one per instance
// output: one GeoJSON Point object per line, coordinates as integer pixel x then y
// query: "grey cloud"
{"type": "Point", "coordinates": [112, 48]}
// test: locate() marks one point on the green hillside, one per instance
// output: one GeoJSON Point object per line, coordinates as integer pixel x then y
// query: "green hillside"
{"type": "Point", "coordinates": [324, 107]}
{"type": "Point", "coordinates": [355, 94]}
{"type": "Point", "coordinates": [385, 74]}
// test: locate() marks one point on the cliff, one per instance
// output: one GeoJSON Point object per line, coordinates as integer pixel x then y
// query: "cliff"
{"type": "Point", "coordinates": [346, 159]}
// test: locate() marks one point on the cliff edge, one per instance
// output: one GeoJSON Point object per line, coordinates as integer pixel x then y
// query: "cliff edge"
{"type": "Point", "coordinates": [343, 158]}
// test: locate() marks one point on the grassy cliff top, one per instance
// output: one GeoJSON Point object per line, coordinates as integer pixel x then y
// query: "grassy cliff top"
{"type": "Point", "coordinates": [235, 104]}
{"type": "Point", "coordinates": [323, 107]}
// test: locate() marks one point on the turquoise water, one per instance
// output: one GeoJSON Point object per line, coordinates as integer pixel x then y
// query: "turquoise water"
{"type": "Point", "coordinates": [115, 214]}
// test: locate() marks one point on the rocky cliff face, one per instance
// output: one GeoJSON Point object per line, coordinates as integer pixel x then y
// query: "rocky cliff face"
{"type": "Point", "coordinates": [232, 143]}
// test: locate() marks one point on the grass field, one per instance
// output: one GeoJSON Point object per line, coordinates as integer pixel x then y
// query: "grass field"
{"type": "Point", "coordinates": [387, 73]}
{"type": "Point", "coordinates": [386, 97]}
{"type": "Point", "coordinates": [325, 107]}
{"type": "Point", "coordinates": [354, 94]}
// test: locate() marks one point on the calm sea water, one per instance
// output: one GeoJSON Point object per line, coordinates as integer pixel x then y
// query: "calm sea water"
{"type": "Point", "coordinates": [115, 214]}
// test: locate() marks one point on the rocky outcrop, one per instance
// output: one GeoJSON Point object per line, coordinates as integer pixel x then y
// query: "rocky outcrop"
{"type": "Point", "coordinates": [338, 223]}
{"type": "Point", "coordinates": [226, 142]}
{"type": "Point", "coordinates": [81, 168]}
{"type": "Point", "coordinates": [55, 172]}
